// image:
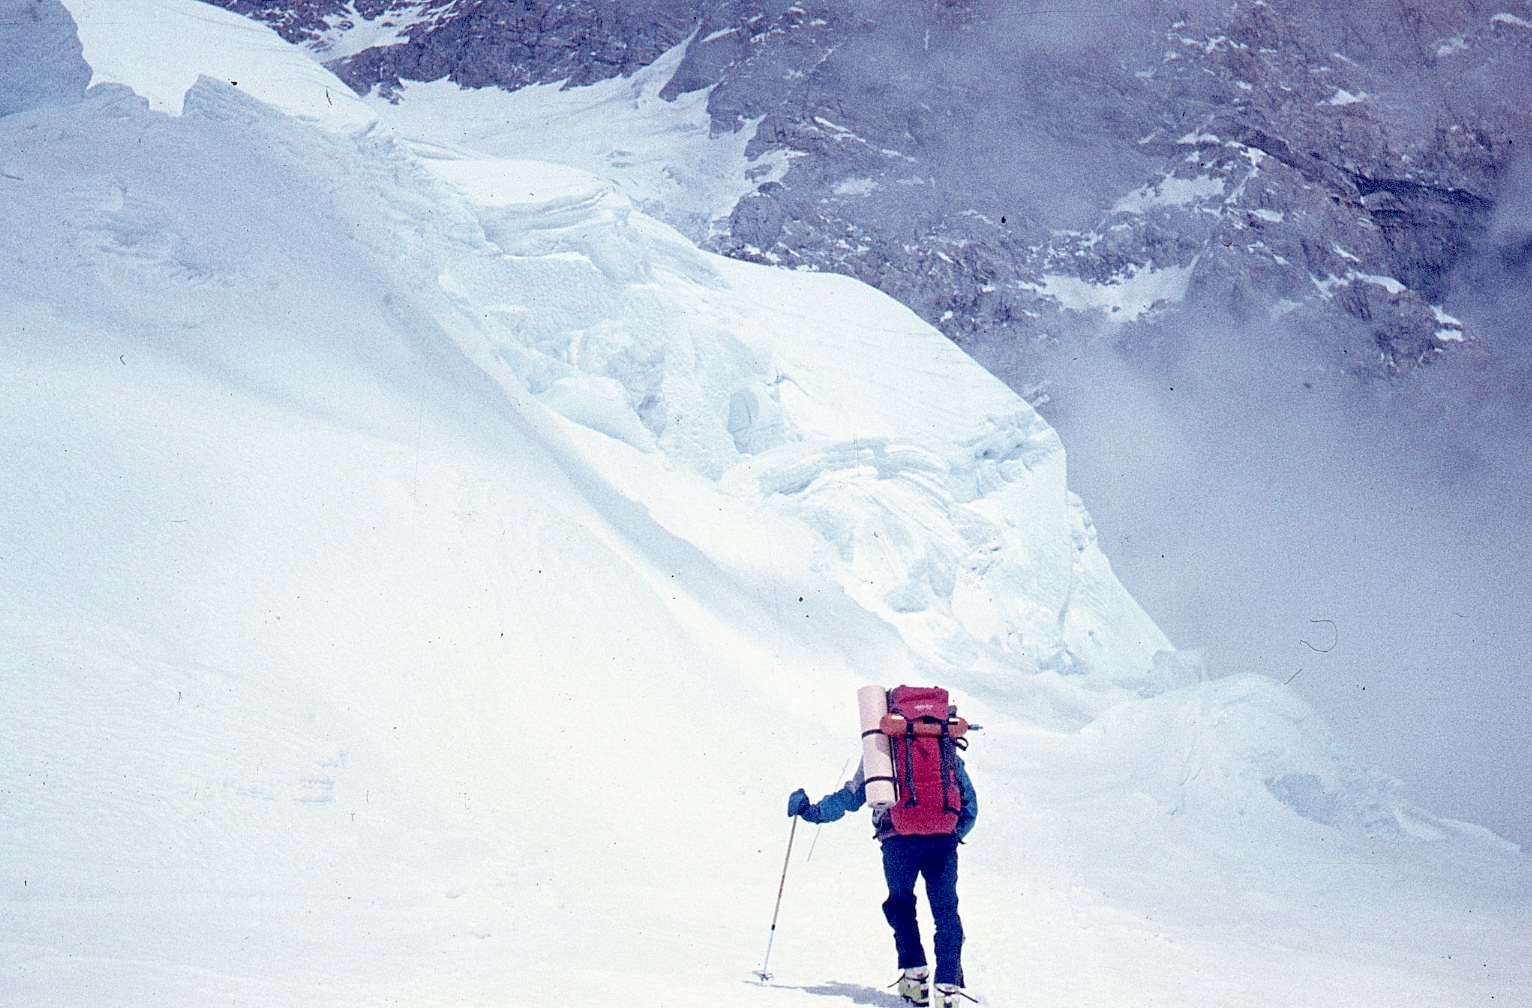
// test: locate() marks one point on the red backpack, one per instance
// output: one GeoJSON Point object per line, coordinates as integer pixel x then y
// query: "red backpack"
{"type": "Point", "coordinates": [925, 738]}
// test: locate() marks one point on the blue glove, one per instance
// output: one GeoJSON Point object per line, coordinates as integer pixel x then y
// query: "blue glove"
{"type": "Point", "coordinates": [798, 803]}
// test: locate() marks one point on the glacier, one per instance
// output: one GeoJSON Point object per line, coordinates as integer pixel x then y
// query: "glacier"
{"type": "Point", "coordinates": [426, 574]}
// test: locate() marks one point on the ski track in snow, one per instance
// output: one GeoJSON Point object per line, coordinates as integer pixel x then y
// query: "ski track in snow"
{"type": "Point", "coordinates": [426, 577]}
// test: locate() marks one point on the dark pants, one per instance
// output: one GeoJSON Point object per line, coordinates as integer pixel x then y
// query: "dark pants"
{"type": "Point", "coordinates": [904, 859]}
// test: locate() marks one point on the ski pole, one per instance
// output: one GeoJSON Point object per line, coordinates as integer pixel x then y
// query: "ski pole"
{"type": "Point", "coordinates": [839, 777]}
{"type": "Point", "coordinates": [762, 973]}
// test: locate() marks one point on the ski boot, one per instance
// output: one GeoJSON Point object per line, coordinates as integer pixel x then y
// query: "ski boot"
{"type": "Point", "coordinates": [914, 986]}
{"type": "Point", "coordinates": [951, 996]}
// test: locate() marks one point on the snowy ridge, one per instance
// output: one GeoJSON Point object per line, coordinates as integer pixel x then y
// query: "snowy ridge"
{"type": "Point", "coordinates": [426, 577]}
{"type": "Point", "coordinates": [160, 48]}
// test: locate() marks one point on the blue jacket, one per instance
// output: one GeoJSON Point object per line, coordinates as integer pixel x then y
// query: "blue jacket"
{"type": "Point", "coordinates": [854, 795]}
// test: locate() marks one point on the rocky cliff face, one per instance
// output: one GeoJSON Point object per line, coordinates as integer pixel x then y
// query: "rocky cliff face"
{"type": "Point", "coordinates": [1025, 177]}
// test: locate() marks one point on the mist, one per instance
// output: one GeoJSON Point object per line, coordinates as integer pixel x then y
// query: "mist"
{"type": "Point", "coordinates": [1365, 542]}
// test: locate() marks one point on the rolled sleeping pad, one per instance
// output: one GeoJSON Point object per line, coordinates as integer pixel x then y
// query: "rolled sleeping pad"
{"type": "Point", "coordinates": [877, 755]}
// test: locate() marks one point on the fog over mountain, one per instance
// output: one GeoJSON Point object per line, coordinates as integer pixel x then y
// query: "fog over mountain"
{"type": "Point", "coordinates": [1294, 237]}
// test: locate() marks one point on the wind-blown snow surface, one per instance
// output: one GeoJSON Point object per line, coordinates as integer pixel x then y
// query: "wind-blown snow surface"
{"type": "Point", "coordinates": [425, 592]}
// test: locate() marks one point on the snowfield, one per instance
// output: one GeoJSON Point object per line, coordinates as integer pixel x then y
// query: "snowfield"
{"type": "Point", "coordinates": [425, 577]}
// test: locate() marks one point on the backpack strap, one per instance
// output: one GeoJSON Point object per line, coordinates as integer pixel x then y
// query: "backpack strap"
{"type": "Point", "coordinates": [947, 750]}
{"type": "Point", "coordinates": [909, 764]}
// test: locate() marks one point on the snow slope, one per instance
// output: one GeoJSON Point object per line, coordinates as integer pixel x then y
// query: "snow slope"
{"type": "Point", "coordinates": [424, 581]}
{"type": "Point", "coordinates": [660, 153]}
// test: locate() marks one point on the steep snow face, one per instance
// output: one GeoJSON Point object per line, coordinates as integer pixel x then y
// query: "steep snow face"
{"type": "Point", "coordinates": [946, 514]}
{"type": "Point", "coordinates": [424, 580]}
{"type": "Point", "coordinates": [713, 366]}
